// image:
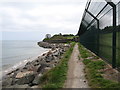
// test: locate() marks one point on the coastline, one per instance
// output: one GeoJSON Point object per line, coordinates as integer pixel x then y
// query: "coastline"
{"type": "Point", "coordinates": [32, 69]}
{"type": "Point", "coordinates": [19, 65]}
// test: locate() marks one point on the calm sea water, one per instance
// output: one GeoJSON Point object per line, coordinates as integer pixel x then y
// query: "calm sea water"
{"type": "Point", "coordinates": [16, 52]}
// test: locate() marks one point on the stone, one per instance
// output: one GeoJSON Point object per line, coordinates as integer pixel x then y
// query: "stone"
{"type": "Point", "coordinates": [56, 53]}
{"type": "Point", "coordinates": [35, 63]}
{"type": "Point", "coordinates": [28, 63]}
{"type": "Point", "coordinates": [43, 61]}
{"type": "Point", "coordinates": [56, 61]}
{"type": "Point", "coordinates": [26, 79]}
{"type": "Point", "coordinates": [23, 74]}
{"type": "Point", "coordinates": [37, 79]}
{"type": "Point", "coordinates": [25, 67]}
{"type": "Point", "coordinates": [47, 69]}
{"type": "Point", "coordinates": [41, 68]}
{"type": "Point", "coordinates": [7, 82]}
{"type": "Point", "coordinates": [49, 58]}
{"type": "Point", "coordinates": [14, 81]}
{"type": "Point", "coordinates": [35, 87]}
{"type": "Point", "coordinates": [37, 67]}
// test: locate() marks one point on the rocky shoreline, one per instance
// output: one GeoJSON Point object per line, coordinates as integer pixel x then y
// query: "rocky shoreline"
{"type": "Point", "coordinates": [28, 75]}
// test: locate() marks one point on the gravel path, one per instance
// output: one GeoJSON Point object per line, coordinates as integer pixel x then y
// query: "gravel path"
{"type": "Point", "coordinates": [75, 75]}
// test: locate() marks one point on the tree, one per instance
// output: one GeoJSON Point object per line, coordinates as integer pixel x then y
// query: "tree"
{"type": "Point", "coordinates": [48, 35]}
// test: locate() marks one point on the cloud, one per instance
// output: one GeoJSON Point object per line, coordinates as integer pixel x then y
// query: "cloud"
{"type": "Point", "coordinates": [43, 15]}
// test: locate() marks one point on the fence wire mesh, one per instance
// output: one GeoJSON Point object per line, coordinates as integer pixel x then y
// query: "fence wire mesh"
{"type": "Point", "coordinates": [100, 30]}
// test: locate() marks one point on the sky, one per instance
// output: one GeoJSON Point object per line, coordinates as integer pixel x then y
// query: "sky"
{"type": "Point", "coordinates": [33, 19]}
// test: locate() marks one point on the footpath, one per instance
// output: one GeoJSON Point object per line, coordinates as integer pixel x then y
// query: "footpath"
{"type": "Point", "coordinates": [75, 74]}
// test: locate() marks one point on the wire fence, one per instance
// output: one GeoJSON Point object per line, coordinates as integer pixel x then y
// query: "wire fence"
{"type": "Point", "coordinates": [100, 30]}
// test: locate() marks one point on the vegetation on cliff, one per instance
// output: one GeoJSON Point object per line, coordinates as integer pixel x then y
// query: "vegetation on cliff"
{"type": "Point", "coordinates": [59, 38]}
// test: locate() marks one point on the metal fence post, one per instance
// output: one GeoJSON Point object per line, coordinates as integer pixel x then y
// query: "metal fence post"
{"type": "Point", "coordinates": [98, 37]}
{"type": "Point", "coordinates": [114, 35]}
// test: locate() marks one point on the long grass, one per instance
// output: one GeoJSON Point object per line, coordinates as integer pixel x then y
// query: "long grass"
{"type": "Point", "coordinates": [94, 73]}
{"type": "Point", "coordinates": [56, 77]}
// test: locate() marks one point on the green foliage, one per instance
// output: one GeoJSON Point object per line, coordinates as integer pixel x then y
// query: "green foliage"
{"type": "Point", "coordinates": [55, 37]}
{"type": "Point", "coordinates": [56, 77]}
{"type": "Point", "coordinates": [67, 35]}
{"type": "Point", "coordinates": [93, 73]}
{"type": "Point", "coordinates": [86, 61]}
{"type": "Point", "coordinates": [60, 37]}
{"type": "Point", "coordinates": [84, 52]}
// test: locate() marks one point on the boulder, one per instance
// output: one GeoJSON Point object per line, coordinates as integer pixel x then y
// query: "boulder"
{"type": "Point", "coordinates": [56, 54]}
{"type": "Point", "coordinates": [35, 87]}
{"type": "Point", "coordinates": [25, 79]}
{"type": "Point", "coordinates": [35, 63]}
{"type": "Point", "coordinates": [49, 58]}
{"type": "Point", "coordinates": [28, 63]}
{"type": "Point", "coordinates": [37, 67]}
{"type": "Point", "coordinates": [36, 79]}
{"type": "Point", "coordinates": [7, 82]}
{"type": "Point", "coordinates": [23, 74]}
{"type": "Point", "coordinates": [41, 68]}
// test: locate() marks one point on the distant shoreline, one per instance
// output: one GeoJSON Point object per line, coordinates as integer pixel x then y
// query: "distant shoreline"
{"type": "Point", "coordinates": [20, 64]}
{"type": "Point", "coordinates": [28, 73]}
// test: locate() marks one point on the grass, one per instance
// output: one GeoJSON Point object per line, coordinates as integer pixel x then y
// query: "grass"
{"type": "Point", "coordinates": [93, 73]}
{"type": "Point", "coordinates": [60, 37]}
{"type": "Point", "coordinates": [56, 77]}
{"type": "Point", "coordinates": [84, 52]}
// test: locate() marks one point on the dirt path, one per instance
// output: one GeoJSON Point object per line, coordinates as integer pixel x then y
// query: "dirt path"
{"type": "Point", "coordinates": [75, 75]}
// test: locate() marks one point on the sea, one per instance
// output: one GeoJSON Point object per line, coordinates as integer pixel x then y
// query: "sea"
{"type": "Point", "coordinates": [16, 53]}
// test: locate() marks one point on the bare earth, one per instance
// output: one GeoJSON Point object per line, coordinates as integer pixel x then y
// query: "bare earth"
{"type": "Point", "coordinates": [75, 75]}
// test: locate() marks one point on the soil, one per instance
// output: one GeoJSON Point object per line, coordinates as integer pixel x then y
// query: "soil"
{"type": "Point", "coordinates": [111, 74]}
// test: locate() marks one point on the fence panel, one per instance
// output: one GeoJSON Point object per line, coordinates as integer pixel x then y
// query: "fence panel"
{"type": "Point", "coordinates": [105, 35]}
{"type": "Point", "coordinates": [97, 30]}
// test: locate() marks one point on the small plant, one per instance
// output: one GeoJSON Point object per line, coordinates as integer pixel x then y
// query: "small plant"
{"type": "Point", "coordinates": [79, 57]}
{"type": "Point", "coordinates": [93, 73]}
{"type": "Point", "coordinates": [56, 77]}
{"type": "Point", "coordinates": [86, 61]}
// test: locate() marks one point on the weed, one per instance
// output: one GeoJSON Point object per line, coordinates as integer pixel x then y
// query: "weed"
{"type": "Point", "coordinates": [56, 77]}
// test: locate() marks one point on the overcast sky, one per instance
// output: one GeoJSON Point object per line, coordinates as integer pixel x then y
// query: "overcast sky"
{"type": "Point", "coordinates": [32, 20]}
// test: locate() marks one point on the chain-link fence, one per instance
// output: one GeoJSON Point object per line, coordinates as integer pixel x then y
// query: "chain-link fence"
{"type": "Point", "coordinates": [100, 30]}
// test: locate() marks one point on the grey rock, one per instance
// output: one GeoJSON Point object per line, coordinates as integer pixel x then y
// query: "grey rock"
{"type": "Point", "coordinates": [35, 87]}
{"type": "Point", "coordinates": [37, 79]}
{"type": "Point", "coordinates": [56, 53]}
{"type": "Point", "coordinates": [49, 58]}
{"type": "Point", "coordinates": [7, 82]}
{"type": "Point", "coordinates": [37, 67]}
{"type": "Point", "coordinates": [41, 68]}
{"type": "Point", "coordinates": [25, 67]}
{"type": "Point", "coordinates": [28, 63]}
{"type": "Point", "coordinates": [35, 63]}
{"type": "Point", "coordinates": [26, 79]}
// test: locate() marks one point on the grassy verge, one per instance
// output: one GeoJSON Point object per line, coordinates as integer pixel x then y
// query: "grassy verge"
{"type": "Point", "coordinates": [93, 71]}
{"type": "Point", "coordinates": [56, 77]}
{"type": "Point", "coordinates": [84, 53]}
